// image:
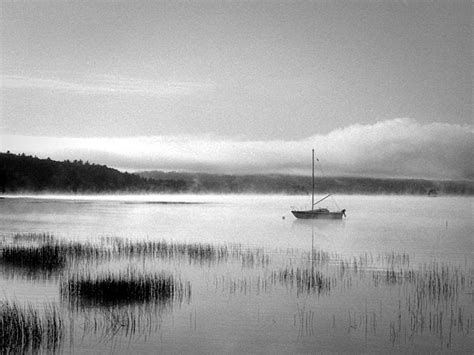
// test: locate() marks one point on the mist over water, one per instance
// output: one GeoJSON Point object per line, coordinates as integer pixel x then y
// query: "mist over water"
{"type": "Point", "coordinates": [396, 275]}
{"type": "Point", "coordinates": [426, 226]}
{"type": "Point", "coordinates": [383, 149]}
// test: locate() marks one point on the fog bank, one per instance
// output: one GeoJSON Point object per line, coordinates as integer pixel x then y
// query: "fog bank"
{"type": "Point", "coordinates": [392, 148]}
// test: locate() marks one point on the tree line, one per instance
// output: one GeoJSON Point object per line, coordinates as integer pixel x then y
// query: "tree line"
{"type": "Point", "coordinates": [23, 173]}
{"type": "Point", "coordinates": [293, 184]}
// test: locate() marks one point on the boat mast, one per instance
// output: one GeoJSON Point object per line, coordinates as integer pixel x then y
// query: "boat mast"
{"type": "Point", "coordinates": [312, 195]}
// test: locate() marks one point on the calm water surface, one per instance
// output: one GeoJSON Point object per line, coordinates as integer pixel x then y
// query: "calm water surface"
{"type": "Point", "coordinates": [369, 274]}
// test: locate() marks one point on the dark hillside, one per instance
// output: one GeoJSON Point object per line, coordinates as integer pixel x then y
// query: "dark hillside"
{"type": "Point", "coordinates": [22, 173]}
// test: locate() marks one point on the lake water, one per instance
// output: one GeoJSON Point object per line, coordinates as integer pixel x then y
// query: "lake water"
{"type": "Point", "coordinates": [395, 276]}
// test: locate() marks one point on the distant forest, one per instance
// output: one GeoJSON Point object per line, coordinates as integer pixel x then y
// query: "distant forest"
{"type": "Point", "coordinates": [293, 184]}
{"type": "Point", "coordinates": [22, 173]}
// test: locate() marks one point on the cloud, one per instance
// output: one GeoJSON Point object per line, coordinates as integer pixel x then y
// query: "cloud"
{"type": "Point", "coordinates": [105, 85]}
{"type": "Point", "coordinates": [403, 147]}
{"type": "Point", "coordinates": [392, 148]}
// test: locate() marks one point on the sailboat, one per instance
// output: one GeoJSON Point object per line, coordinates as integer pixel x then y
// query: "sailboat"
{"type": "Point", "coordinates": [318, 213]}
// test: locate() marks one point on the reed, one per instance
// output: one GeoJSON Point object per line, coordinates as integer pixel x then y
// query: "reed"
{"type": "Point", "coordinates": [33, 237]}
{"type": "Point", "coordinates": [435, 282]}
{"type": "Point", "coordinates": [47, 257]}
{"type": "Point", "coordinates": [25, 330]}
{"type": "Point", "coordinates": [131, 287]}
{"type": "Point", "coordinates": [196, 252]}
{"type": "Point", "coordinates": [120, 248]}
{"type": "Point", "coordinates": [306, 279]}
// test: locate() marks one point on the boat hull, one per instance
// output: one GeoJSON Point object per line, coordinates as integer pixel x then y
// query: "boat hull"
{"type": "Point", "coordinates": [317, 214]}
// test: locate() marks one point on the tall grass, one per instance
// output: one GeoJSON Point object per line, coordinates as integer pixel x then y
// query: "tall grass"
{"type": "Point", "coordinates": [25, 330]}
{"type": "Point", "coordinates": [33, 237]}
{"type": "Point", "coordinates": [43, 251]}
{"type": "Point", "coordinates": [432, 299]}
{"type": "Point", "coordinates": [306, 280]}
{"type": "Point", "coordinates": [47, 257]}
{"type": "Point", "coordinates": [131, 287]}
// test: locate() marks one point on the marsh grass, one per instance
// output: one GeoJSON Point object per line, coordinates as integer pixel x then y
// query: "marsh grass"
{"type": "Point", "coordinates": [432, 299]}
{"type": "Point", "coordinates": [199, 252]}
{"type": "Point", "coordinates": [196, 253]}
{"type": "Point", "coordinates": [44, 251]}
{"type": "Point", "coordinates": [33, 237]}
{"type": "Point", "coordinates": [125, 288]}
{"type": "Point", "coordinates": [304, 279]}
{"type": "Point", "coordinates": [26, 330]}
{"type": "Point", "coordinates": [45, 257]}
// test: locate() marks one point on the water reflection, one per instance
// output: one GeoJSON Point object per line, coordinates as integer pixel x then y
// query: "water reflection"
{"type": "Point", "coordinates": [318, 224]}
{"type": "Point", "coordinates": [116, 289]}
{"type": "Point", "coordinates": [26, 330]}
{"type": "Point", "coordinates": [105, 324]}
{"type": "Point", "coordinates": [123, 305]}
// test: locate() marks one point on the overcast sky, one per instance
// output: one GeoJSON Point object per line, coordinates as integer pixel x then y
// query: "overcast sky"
{"type": "Point", "coordinates": [379, 88]}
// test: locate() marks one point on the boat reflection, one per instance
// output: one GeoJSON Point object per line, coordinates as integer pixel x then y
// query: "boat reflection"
{"type": "Point", "coordinates": [318, 224]}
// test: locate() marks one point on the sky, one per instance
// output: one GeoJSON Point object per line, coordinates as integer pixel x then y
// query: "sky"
{"type": "Point", "coordinates": [378, 88]}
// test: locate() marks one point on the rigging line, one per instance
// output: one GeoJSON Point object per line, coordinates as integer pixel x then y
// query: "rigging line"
{"type": "Point", "coordinates": [322, 173]}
